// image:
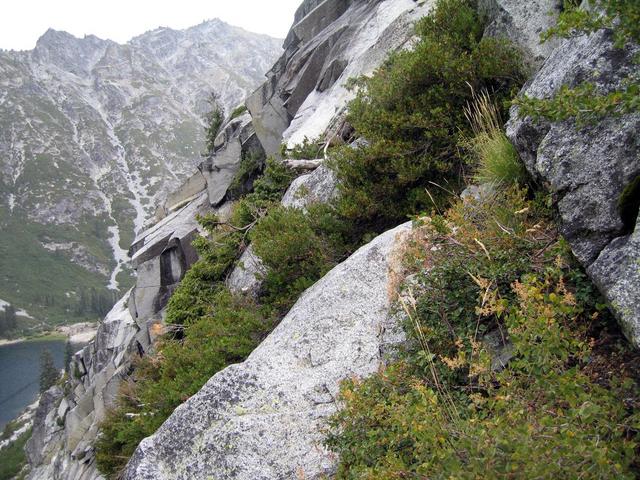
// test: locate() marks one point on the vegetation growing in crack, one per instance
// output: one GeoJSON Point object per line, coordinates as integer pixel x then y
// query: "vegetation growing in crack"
{"type": "Point", "coordinates": [213, 120]}
{"type": "Point", "coordinates": [492, 282]}
{"type": "Point", "coordinates": [209, 329]}
{"type": "Point", "coordinates": [238, 111]}
{"type": "Point", "coordinates": [514, 364]}
{"type": "Point", "coordinates": [584, 102]}
{"type": "Point", "coordinates": [496, 268]}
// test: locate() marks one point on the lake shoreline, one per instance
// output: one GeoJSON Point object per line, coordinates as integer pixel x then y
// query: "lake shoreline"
{"type": "Point", "coordinates": [77, 333]}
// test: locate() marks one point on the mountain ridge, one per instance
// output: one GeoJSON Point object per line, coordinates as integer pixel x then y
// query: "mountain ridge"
{"type": "Point", "coordinates": [94, 135]}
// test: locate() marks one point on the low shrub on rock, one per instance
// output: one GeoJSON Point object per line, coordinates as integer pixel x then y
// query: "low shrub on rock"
{"type": "Point", "coordinates": [411, 112]}
{"type": "Point", "coordinates": [563, 400]}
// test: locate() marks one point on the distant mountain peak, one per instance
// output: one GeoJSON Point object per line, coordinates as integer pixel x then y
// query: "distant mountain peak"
{"type": "Point", "coordinates": [93, 134]}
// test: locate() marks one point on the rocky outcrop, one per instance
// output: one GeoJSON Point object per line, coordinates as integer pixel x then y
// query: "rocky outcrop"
{"type": "Point", "coordinates": [161, 256]}
{"type": "Point", "coordinates": [331, 41]}
{"type": "Point", "coordinates": [523, 23]}
{"type": "Point", "coordinates": [45, 430]}
{"type": "Point", "coordinates": [588, 167]}
{"type": "Point", "coordinates": [236, 141]}
{"type": "Point", "coordinates": [319, 186]}
{"type": "Point", "coordinates": [246, 277]}
{"type": "Point", "coordinates": [61, 446]}
{"type": "Point", "coordinates": [263, 418]}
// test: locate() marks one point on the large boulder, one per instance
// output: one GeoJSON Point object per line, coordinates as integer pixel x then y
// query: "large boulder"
{"type": "Point", "coordinates": [319, 186]}
{"type": "Point", "coordinates": [588, 167]}
{"type": "Point", "coordinates": [263, 419]}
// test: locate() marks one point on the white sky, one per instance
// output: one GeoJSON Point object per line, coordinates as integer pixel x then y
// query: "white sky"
{"type": "Point", "coordinates": [22, 22]}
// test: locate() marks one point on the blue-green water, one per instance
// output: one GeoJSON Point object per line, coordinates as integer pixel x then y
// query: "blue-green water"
{"type": "Point", "coordinates": [20, 373]}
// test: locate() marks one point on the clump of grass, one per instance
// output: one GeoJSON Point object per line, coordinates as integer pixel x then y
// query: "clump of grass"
{"type": "Point", "coordinates": [497, 161]}
{"type": "Point", "coordinates": [237, 112]}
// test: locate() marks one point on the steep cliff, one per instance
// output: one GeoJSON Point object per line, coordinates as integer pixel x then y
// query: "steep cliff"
{"type": "Point", "coordinates": [266, 417]}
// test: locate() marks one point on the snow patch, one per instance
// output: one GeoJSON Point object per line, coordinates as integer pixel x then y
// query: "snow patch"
{"type": "Point", "coordinates": [21, 313]}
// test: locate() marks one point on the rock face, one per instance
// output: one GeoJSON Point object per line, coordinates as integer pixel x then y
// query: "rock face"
{"type": "Point", "coordinates": [589, 167]}
{"type": "Point", "coordinates": [162, 255]}
{"type": "Point", "coordinates": [65, 427]}
{"type": "Point", "coordinates": [246, 277]}
{"type": "Point", "coordinates": [61, 447]}
{"type": "Point", "coordinates": [318, 186]}
{"type": "Point", "coordinates": [330, 42]}
{"type": "Point", "coordinates": [236, 141]}
{"type": "Point", "coordinates": [262, 419]}
{"type": "Point", "coordinates": [523, 23]}
{"type": "Point", "coordinates": [94, 134]}
{"type": "Point", "coordinates": [45, 431]}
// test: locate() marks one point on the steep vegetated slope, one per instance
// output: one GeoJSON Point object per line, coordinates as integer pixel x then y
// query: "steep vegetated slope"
{"type": "Point", "coordinates": [93, 135]}
{"type": "Point", "coordinates": [308, 342]}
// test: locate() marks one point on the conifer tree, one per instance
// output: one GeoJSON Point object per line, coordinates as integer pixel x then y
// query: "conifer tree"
{"type": "Point", "coordinates": [48, 373]}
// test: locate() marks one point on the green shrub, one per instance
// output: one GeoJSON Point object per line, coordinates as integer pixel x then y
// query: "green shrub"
{"type": "Point", "coordinates": [272, 184]}
{"type": "Point", "coordinates": [213, 120]}
{"type": "Point", "coordinates": [208, 329]}
{"type": "Point", "coordinates": [297, 248]}
{"type": "Point", "coordinates": [584, 102]}
{"type": "Point", "coordinates": [307, 150]}
{"type": "Point", "coordinates": [411, 112]}
{"type": "Point", "coordinates": [192, 299]}
{"type": "Point", "coordinates": [250, 167]}
{"type": "Point", "coordinates": [562, 407]}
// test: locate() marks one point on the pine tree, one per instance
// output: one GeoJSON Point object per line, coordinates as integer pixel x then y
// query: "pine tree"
{"type": "Point", "coordinates": [48, 373]}
{"type": "Point", "coordinates": [68, 355]}
{"type": "Point", "coordinates": [11, 318]}
{"type": "Point", "coordinates": [213, 119]}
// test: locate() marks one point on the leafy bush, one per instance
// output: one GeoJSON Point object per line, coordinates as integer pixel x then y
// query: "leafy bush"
{"type": "Point", "coordinates": [584, 102]}
{"type": "Point", "coordinates": [411, 112]}
{"type": "Point", "coordinates": [297, 248]}
{"type": "Point", "coordinates": [444, 411]}
{"type": "Point", "coordinates": [307, 150]}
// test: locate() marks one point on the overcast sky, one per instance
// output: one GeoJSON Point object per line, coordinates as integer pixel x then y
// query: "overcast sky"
{"type": "Point", "coordinates": [23, 21]}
